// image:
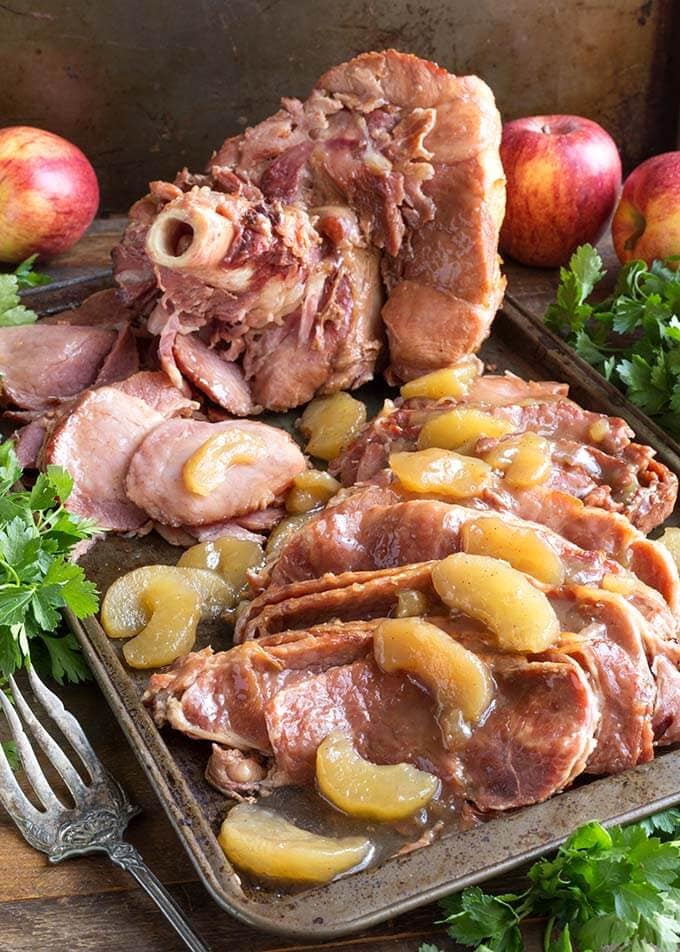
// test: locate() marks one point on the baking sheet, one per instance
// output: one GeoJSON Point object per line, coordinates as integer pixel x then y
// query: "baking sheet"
{"type": "Point", "coordinates": [175, 764]}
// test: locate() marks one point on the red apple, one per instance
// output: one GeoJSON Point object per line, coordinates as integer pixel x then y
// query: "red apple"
{"type": "Point", "coordinates": [48, 193]}
{"type": "Point", "coordinates": [646, 223]}
{"type": "Point", "coordinates": [564, 176]}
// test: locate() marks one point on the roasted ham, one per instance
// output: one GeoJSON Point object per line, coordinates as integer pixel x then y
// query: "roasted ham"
{"type": "Point", "coordinates": [290, 690]}
{"type": "Point", "coordinates": [273, 257]}
{"type": "Point", "coordinates": [593, 457]}
{"type": "Point", "coordinates": [154, 479]}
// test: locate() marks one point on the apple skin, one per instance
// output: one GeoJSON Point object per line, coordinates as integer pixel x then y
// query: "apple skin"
{"type": "Point", "coordinates": [48, 193]}
{"type": "Point", "coordinates": [646, 224]}
{"type": "Point", "coordinates": [563, 180]}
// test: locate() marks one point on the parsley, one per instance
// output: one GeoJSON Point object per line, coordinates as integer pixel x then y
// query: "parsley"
{"type": "Point", "coordinates": [633, 336]}
{"type": "Point", "coordinates": [12, 311]}
{"type": "Point", "coordinates": [616, 888]}
{"type": "Point", "coordinates": [37, 580]}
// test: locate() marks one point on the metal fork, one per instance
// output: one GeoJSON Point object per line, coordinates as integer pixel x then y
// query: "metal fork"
{"type": "Point", "coordinates": [102, 810]}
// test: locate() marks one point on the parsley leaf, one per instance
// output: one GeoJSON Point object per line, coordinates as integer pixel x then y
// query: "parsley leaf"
{"type": "Point", "coordinates": [37, 578]}
{"type": "Point", "coordinates": [633, 336]}
{"type": "Point", "coordinates": [616, 888]}
{"type": "Point", "coordinates": [12, 311]}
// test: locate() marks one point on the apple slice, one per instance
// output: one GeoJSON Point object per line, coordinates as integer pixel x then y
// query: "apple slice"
{"type": "Point", "coordinates": [502, 598]}
{"type": "Point", "coordinates": [362, 789]}
{"type": "Point", "coordinates": [264, 844]}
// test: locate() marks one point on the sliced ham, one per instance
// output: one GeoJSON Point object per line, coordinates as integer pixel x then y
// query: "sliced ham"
{"type": "Point", "coordinates": [277, 699]}
{"type": "Point", "coordinates": [122, 360]}
{"type": "Point", "coordinates": [95, 442]}
{"type": "Point", "coordinates": [103, 309]}
{"type": "Point", "coordinates": [43, 364]}
{"type": "Point", "coordinates": [155, 484]}
{"type": "Point", "coordinates": [155, 388]}
{"type": "Point", "coordinates": [219, 379]}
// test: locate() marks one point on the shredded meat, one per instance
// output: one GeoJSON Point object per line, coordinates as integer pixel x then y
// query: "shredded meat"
{"type": "Point", "coordinates": [387, 175]}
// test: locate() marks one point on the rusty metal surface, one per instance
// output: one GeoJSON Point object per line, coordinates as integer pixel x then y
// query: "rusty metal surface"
{"type": "Point", "coordinates": [145, 88]}
{"type": "Point", "coordinates": [175, 764]}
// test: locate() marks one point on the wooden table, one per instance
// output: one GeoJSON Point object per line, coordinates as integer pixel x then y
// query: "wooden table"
{"type": "Point", "coordinates": [88, 904]}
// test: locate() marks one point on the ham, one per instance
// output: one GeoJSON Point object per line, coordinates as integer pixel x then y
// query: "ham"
{"type": "Point", "coordinates": [275, 700]}
{"type": "Point", "coordinates": [95, 442]}
{"type": "Point", "coordinates": [44, 364]}
{"type": "Point", "coordinates": [274, 254]}
{"type": "Point", "coordinates": [219, 379]}
{"type": "Point", "coordinates": [154, 481]}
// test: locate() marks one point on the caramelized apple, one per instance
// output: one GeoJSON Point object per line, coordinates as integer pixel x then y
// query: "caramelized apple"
{"type": "Point", "coordinates": [449, 382]}
{"type": "Point", "coordinates": [410, 602]}
{"type": "Point", "coordinates": [366, 790]}
{"type": "Point", "coordinates": [331, 423]}
{"type": "Point", "coordinates": [284, 531]}
{"type": "Point", "coordinates": [521, 546]}
{"type": "Point", "coordinates": [459, 680]}
{"type": "Point", "coordinates": [175, 610]}
{"type": "Point", "coordinates": [671, 539]}
{"type": "Point", "coordinates": [501, 597]}
{"type": "Point", "coordinates": [311, 490]}
{"type": "Point", "coordinates": [441, 472]}
{"type": "Point", "coordinates": [264, 844]}
{"type": "Point", "coordinates": [124, 611]}
{"type": "Point", "coordinates": [525, 459]}
{"type": "Point", "coordinates": [460, 428]}
{"type": "Point", "coordinates": [206, 469]}
{"type": "Point", "coordinates": [229, 556]}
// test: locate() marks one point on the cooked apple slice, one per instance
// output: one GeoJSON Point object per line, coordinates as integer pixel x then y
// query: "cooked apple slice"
{"type": "Point", "coordinates": [175, 611]}
{"type": "Point", "coordinates": [366, 790]}
{"type": "Point", "coordinates": [671, 539]}
{"type": "Point", "coordinates": [501, 597]}
{"type": "Point", "coordinates": [448, 382]}
{"type": "Point", "coordinates": [124, 609]}
{"type": "Point", "coordinates": [460, 428]}
{"type": "Point", "coordinates": [521, 546]}
{"type": "Point", "coordinates": [207, 468]}
{"type": "Point", "coordinates": [264, 844]}
{"type": "Point", "coordinates": [284, 532]}
{"type": "Point", "coordinates": [459, 680]}
{"type": "Point", "coordinates": [525, 459]}
{"type": "Point", "coordinates": [229, 557]}
{"type": "Point", "coordinates": [311, 490]}
{"type": "Point", "coordinates": [441, 472]}
{"type": "Point", "coordinates": [331, 423]}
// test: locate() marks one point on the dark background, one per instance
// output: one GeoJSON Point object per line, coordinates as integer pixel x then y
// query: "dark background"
{"type": "Point", "coordinates": [147, 86]}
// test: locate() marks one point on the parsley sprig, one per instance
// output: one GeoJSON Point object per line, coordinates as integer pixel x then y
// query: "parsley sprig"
{"type": "Point", "coordinates": [37, 578]}
{"type": "Point", "coordinates": [632, 336]}
{"type": "Point", "coordinates": [12, 311]}
{"type": "Point", "coordinates": [615, 889]}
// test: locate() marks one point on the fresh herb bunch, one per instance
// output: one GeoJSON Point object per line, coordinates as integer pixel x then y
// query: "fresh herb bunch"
{"type": "Point", "coordinates": [633, 336]}
{"type": "Point", "coordinates": [12, 312]}
{"type": "Point", "coordinates": [616, 888]}
{"type": "Point", "coordinates": [37, 580]}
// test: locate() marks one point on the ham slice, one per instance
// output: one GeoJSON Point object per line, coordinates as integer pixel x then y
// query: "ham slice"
{"type": "Point", "coordinates": [95, 443]}
{"type": "Point", "coordinates": [43, 364]}
{"type": "Point", "coordinates": [154, 481]}
{"type": "Point", "coordinates": [219, 379]}
{"type": "Point", "coordinates": [280, 697]}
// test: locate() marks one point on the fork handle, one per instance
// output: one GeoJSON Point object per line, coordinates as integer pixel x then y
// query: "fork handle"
{"type": "Point", "coordinates": [129, 858]}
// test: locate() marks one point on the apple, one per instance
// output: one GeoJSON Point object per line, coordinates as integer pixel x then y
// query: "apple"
{"type": "Point", "coordinates": [646, 223]}
{"type": "Point", "coordinates": [48, 193]}
{"type": "Point", "coordinates": [564, 177]}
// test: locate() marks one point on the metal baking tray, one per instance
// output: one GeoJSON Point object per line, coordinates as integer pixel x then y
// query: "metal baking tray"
{"type": "Point", "coordinates": [175, 765]}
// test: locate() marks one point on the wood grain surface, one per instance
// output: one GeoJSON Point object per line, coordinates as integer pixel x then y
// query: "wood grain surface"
{"type": "Point", "coordinates": [88, 904]}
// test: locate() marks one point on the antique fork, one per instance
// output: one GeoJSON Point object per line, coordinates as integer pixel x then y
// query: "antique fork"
{"type": "Point", "coordinates": [102, 810]}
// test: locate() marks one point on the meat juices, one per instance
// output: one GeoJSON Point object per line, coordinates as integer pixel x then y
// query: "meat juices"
{"type": "Point", "coordinates": [385, 181]}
